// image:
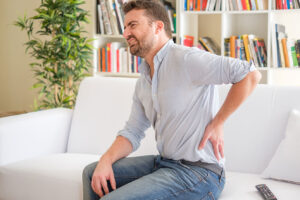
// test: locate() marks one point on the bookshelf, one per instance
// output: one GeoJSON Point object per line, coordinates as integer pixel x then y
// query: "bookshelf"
{"type": "Point", "coordinates": [224, 23]}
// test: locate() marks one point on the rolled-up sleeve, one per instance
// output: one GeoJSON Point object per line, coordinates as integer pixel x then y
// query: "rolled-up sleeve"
{"type": "Point", "coordinates": [207, 68]}
{"type": "Point", "coordinates": [137, 123]}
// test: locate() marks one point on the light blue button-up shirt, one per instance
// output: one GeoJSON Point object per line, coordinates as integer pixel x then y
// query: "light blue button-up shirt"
{"type": "Point", "coordinates": [180, 100]}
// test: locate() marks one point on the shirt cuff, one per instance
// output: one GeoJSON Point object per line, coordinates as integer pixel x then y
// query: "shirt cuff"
{"type": "Point", "coordinates": [250, 67]}
{"type": "Point", "coordinates": [135, 144]}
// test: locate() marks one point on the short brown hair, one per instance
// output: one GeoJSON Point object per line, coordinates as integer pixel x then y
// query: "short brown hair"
{"type": "Point", "coordinates": [154, 9]}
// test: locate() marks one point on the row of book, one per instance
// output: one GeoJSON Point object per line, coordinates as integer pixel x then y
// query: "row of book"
{"type": "Point", "coordinates": [247, 47]}
{"type": "Point", "coordinates": [286, 50]}
{"type": "Point", "coordinates": [232, 5]}
{"type": "Point", "coordinates": [203, 5]}
{"type": "Point", "coordinates": [110, 16]}
{"type": "Point", "coordinates": [115, 57]}
{"type": "Point", "coordinates": [286, 4]}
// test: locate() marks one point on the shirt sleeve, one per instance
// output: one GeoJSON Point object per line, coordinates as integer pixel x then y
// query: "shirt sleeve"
{"type": "Point", "coordinates": [207, 68]}
{"type": "Point", "coordinates": [137, 123]}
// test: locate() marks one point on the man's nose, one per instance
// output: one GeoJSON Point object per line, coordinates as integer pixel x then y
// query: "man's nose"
{"type": "Point", "coordinates": [126, 33]}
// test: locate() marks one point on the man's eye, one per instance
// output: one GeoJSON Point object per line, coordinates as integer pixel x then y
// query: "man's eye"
{"type": "Point", "coordinates": [132, 25]}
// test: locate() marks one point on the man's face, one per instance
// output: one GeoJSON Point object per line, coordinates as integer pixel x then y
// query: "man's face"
{"type": "Point", "coordinates": [139, 32]}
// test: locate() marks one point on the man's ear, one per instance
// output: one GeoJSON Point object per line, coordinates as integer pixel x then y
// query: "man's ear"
{"type": "Point", "coordinates": [159, 26]}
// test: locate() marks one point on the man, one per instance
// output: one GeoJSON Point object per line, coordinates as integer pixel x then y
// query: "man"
{"type": "Point", "coordinates": [176, 93]}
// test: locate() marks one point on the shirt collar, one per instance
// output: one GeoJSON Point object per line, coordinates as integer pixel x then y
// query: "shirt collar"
{"type": "Point", "coordinates": [144, 67]}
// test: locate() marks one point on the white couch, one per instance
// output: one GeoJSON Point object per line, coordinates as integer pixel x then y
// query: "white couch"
{"type": "Point", "coordinates": [42, 154]}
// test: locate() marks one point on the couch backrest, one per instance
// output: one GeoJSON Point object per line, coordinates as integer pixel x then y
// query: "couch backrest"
{"type": "Point", "coordinates": [254, 131]}
{"type": "Point", "coordinates": [251, 134]}
{"type": "Point", "coordinates": [102, 108]}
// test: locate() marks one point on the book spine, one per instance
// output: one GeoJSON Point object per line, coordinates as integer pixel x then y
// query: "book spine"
{"type": "Point", "coordinates": [99, 60]}
{"type": "Point", "coordinates": [106, 21]}
{"type": "Point", "coordinates": [119, 15]}
{"type": "Point", "coordinates": [289, 49]}
{"type": "Point", "coordinates": [244, 5]}
{"type": "Point", "coordinates": [294, 56]}
{"type": "Point", "coordinates": [248, 4]}
{"type": "Point", "coordinates": [297, 45]}
{"type": "Point", "coordinates": [246, 45]}
{"type": "Point", "coordinates": [118, 59]}
{"type": "Point", "coordinates": [285, 52]}
{"type": "Point", "coordinates": [100, 19]}
{"type": "Point", "coordinates": [103, 59]}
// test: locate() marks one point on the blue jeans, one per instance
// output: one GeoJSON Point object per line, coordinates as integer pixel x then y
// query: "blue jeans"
{"type": "Point", "coordinates": [156, 178]}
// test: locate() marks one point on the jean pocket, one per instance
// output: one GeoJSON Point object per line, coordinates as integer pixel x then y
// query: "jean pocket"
{"type": "Point", "coordinates": [216, 180]}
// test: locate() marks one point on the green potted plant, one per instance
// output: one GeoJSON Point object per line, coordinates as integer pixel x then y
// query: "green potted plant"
{"type": "Point", "coordinates": [61, 51]}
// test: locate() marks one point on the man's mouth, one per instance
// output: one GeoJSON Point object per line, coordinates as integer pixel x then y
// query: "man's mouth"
{"type": "Point", "coordinates": [131, 41]}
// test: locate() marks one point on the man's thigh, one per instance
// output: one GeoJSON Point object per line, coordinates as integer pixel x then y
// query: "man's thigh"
{"type": "Point", "coordinates": [129, 169]}
{"type": "Point", "coordinates": [176, 183]}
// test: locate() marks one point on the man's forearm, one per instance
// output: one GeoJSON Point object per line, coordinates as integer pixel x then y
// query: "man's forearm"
{"type": "Point", "coordinates": [120, 148]}
{"type": "Point", "coordinates": [237, 95]}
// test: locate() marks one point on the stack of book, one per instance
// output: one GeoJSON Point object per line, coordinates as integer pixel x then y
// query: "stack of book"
{"type": "Point", "coordinates": [286, 4]}
{"type": "Point", "coordinates": [286, 51]}
{"type": "Point", "coordinates": [110, 17]}
{"type": "Point", "coordinates": [203, 5]}
{"type": "Point", "coordinates": [116, 58]}
{"type": "Point", "coordinates": [247, 47]}
{"type": "Point", "coordinates": [231, 5]}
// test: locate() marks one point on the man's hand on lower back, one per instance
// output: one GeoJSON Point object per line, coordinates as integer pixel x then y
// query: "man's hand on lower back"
{"type": "Point", "coordinates": [102, 174]}
{"type": "Point", "coordinates": [214, 133]}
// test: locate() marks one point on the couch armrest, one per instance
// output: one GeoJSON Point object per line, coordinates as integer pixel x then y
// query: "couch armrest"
{"type": "Point", "coordinates": [34, 134]}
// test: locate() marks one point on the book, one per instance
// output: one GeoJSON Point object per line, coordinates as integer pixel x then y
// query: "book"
{"type": "Point", "coordinates": [105, 16]}
{"type": "Point", "coordinates": [246, 45]}
{"type": "Point", "coordinates": [289, 45]}
{"type": "Point", "coordinates": [285, 53]}
{"type": "Point", "coordinates": [232, 46]}
{"type": "Point", "coordinates": [211, 45]}
{"type": "Point", "coordinates": [278, 28]}
{"type": "Point", "coordinates": [188, 40]}
{"type": "Point", "coordinates": [297, 48]}
{"type": "Point", "coordinates": [293, 52]}
{"type": "Point", "coordinates": [112, 17]}
{"type": "Point", "coordinates": [227, 47]}
{"type": "Point", "coordinates": [100, 19]}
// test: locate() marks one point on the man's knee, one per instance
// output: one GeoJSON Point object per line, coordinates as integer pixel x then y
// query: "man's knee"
{"type": "Point", "coordinates": [88, 171]}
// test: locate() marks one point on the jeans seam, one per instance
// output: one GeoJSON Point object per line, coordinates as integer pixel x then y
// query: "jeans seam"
{"type": "Point", "coordinates": [133, 177]}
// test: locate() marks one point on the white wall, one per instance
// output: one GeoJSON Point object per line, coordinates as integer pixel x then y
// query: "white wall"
{"type": "Point", "coordinates": [16, 78]}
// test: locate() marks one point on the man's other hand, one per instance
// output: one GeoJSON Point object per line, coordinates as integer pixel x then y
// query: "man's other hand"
{"type": "Point", "coordinates": [214, 133]}
{"type": "Point", "coordinates": [102, 174]}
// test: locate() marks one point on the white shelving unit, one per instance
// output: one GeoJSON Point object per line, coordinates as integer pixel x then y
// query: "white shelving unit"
{"type": "Point", "coordinates": [223, 24]}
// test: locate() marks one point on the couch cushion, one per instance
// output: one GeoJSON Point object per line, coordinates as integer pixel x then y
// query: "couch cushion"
{"type": "Point", "coordinates": [242, 186]}
{"type": "Point", "coordinates": [56, 176]}
{"type": "Point", "coordinates": [102, 108]}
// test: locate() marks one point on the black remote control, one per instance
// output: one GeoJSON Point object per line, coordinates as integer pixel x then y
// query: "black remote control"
{"type": "Point", "coordinates": [265, 192]}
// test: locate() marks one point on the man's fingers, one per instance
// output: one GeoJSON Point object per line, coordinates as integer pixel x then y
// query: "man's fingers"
{"type": "Point", "coordinates": [216, 150]}
{"type": "Point", "coordinates": [112, 181]}
{"type": "Point", "coordinates": [203, 142]}
{"type": "Point", "coordinates": [221, 149]}
{"type": "Point", "coordinates": [104, 185]}
{"type": "Point", "coordinates": [97, 187]}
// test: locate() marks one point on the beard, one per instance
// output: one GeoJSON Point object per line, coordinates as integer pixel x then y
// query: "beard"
{"type": "Point", "coordinates": [140, 47]}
